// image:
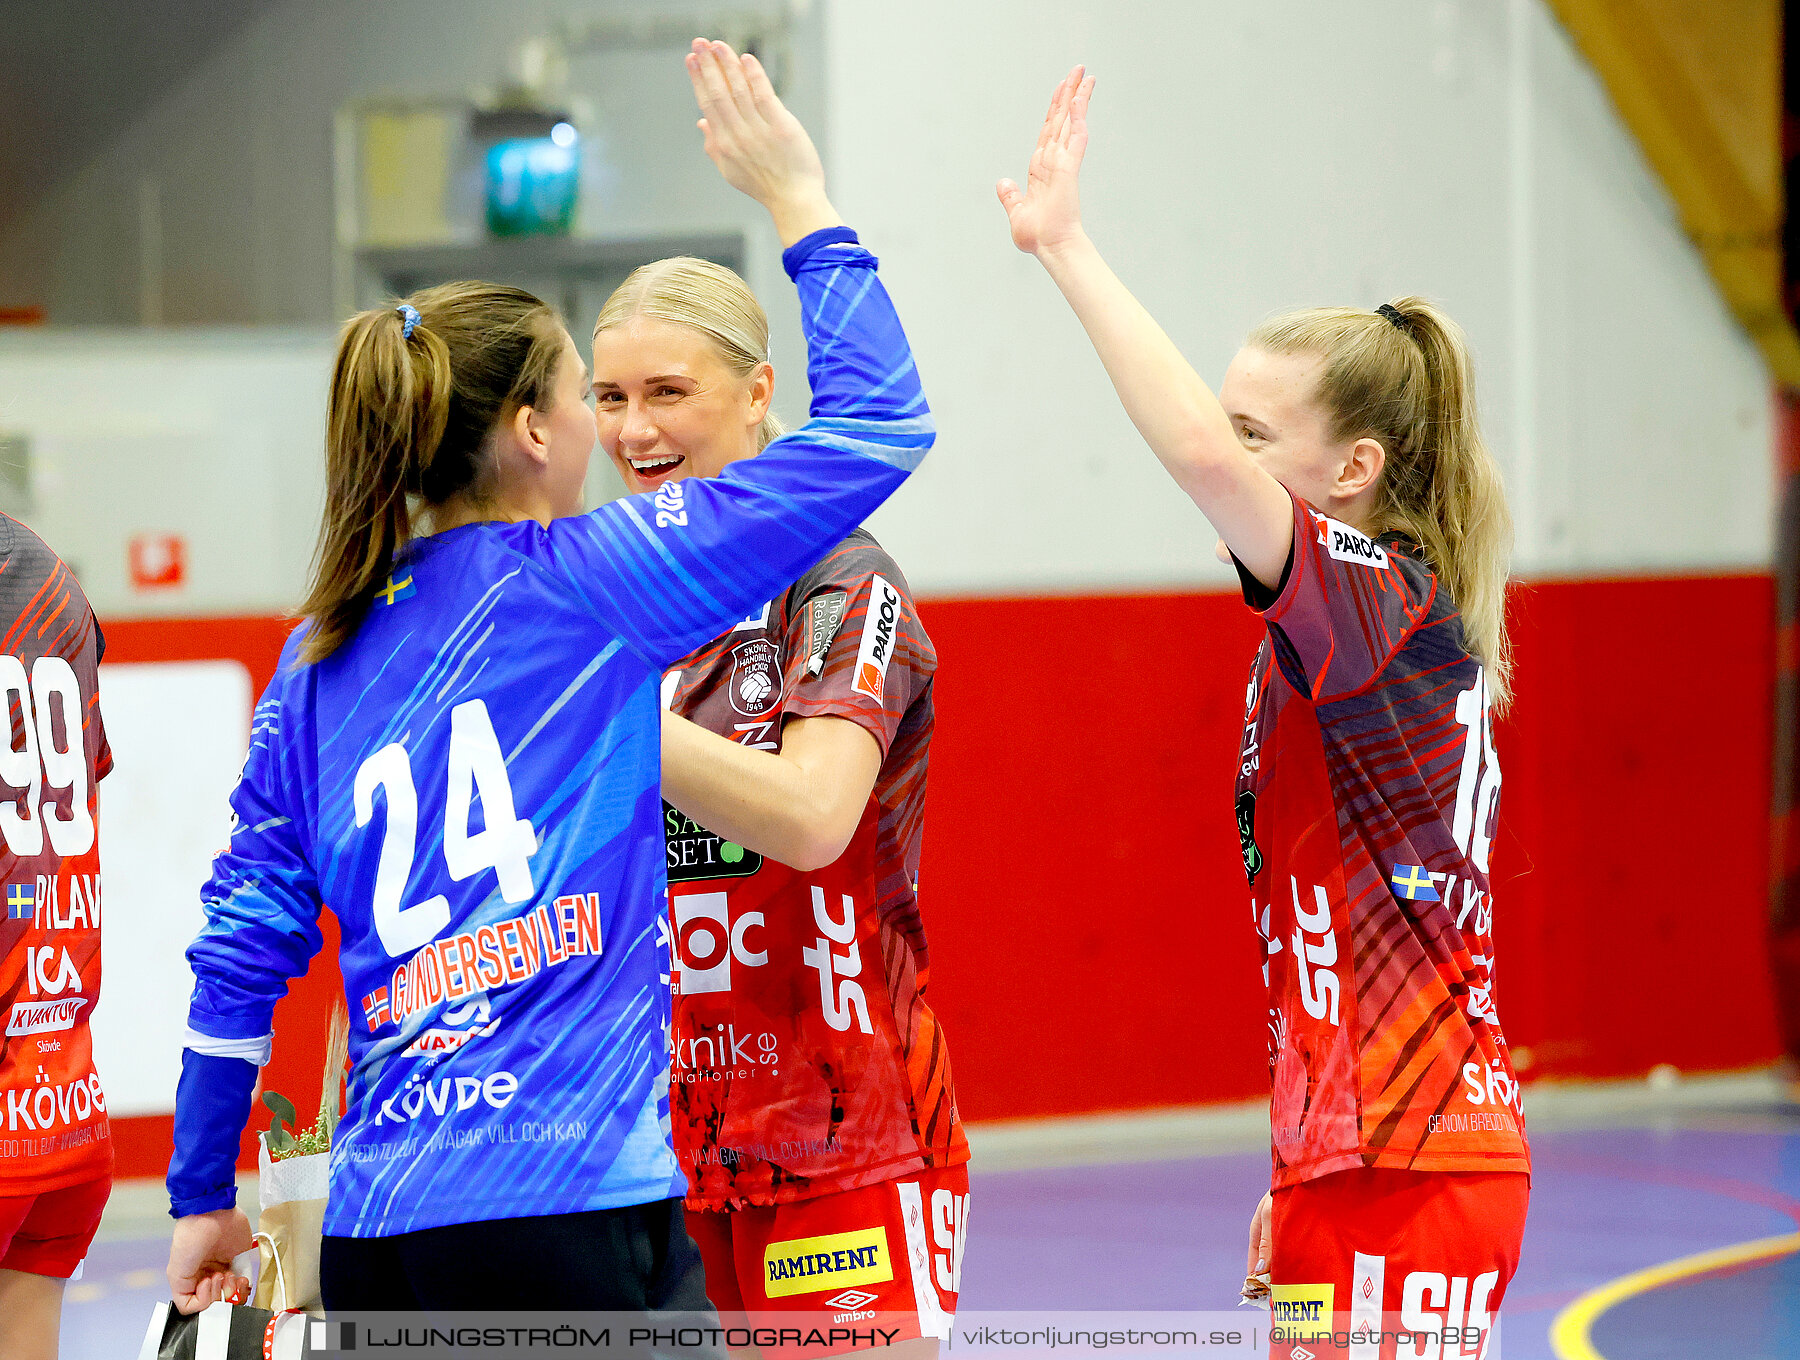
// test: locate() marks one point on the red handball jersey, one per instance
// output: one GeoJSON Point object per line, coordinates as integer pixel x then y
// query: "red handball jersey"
{"type": "Point", "coordinates": [1367, 797]}
{"type": "Point", "coordinates": [806, 1060]}
{"type": "Point", "coordinates": [53, 1129]}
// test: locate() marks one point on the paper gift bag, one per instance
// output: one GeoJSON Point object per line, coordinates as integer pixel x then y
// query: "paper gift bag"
{"type": "Point", "coordinates": [292, 1193]}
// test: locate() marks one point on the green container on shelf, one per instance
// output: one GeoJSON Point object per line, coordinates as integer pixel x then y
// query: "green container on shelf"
{"type": "Point", "coordinates": [532, 184]}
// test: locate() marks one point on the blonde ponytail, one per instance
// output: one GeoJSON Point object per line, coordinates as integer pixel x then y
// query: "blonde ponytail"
{"type": "Point", "coordinates": [1406, 380]}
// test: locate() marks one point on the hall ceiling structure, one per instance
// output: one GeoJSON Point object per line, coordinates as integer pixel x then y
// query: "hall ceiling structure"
{"type": "Point", "coordinates": [1700, 86]}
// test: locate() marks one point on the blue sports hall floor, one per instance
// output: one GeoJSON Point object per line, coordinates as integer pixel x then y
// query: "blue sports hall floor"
{"type": "Point", "coordinates": [1665, 1224]}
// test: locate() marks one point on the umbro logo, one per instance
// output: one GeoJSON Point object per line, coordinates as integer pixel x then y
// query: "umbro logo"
{"type": "Point", "coordinates": [850, 1300]}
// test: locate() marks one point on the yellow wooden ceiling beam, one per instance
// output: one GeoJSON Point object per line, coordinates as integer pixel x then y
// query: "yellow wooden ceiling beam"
{"type": "Point", "coordinates": [1700, 87]}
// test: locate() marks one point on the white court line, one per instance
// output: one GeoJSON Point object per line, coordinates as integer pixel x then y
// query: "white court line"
{"type": "Point", "coordinates": [1737, 1101]}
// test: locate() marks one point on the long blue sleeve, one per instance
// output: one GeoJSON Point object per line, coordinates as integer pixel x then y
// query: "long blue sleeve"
{"type": "Point", "coordinates": [262, 900]}
{"type": "Point", "coordinates": [667, 570]}
{"type": "Point", "coordinates": [262, 929]}
{"type": "Point", "coordinates": [212, 1102]}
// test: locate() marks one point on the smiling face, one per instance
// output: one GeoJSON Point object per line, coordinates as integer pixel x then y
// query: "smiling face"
{"type": "Point", "coordinates": [667, 406]}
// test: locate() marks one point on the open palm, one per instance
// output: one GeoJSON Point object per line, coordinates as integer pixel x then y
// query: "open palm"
{"type": "Point", "coordinates": [1047, 212]}
{"type": "Point", "coordinates": [760, 147]}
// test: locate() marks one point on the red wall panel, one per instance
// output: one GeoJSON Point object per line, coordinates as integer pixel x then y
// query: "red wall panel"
{"type": "Point", "coordinates": [1089, 924]}
{"type": "Point", "coordinates": [1633, 873]}
{"type": "Point", "coordinates": [1082, 886]}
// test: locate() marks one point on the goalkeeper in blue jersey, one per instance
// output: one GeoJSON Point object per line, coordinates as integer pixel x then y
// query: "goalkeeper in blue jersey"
{"type": "Point", "coordinates": [460, 752]}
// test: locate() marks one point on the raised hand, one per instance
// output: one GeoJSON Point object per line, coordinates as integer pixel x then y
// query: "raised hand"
{"type": "Point", "coordinates": [1046, 213]}
{"type": "Point", "coordinates": [760, 148]}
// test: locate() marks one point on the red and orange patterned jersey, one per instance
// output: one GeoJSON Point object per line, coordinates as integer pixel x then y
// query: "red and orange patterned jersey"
{"type": "Point", "coordinates": [53, 1129]}
{"type": "Point", "coordinates": [806, 1060]}
{"type": "Point", "coordinates": [1367, 797]}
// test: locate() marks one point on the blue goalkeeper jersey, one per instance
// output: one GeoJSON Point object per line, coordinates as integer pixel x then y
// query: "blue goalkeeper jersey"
{"type": "Point", "coordinates": [471, 783]}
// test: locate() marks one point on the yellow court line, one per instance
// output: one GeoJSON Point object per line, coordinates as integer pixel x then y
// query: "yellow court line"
{"type": "Point", "coordinates": [1571, 1334]}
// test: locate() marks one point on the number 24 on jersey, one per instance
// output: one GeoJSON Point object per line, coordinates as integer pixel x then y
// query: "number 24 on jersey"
{"type": "Point", "coordinates": [505, 844]}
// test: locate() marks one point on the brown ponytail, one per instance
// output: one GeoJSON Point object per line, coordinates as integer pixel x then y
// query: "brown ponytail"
{"type": "Point", "coordinates": [407, 429]}
{"type": "Point", "coordinates": [1406, 381]}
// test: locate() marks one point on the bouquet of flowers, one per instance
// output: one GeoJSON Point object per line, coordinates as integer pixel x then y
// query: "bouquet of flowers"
{"type": "Point", "coordinates": [291, 1185]}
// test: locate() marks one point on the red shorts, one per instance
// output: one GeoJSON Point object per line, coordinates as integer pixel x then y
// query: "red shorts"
{"type": "Point", "coordinates": [1414, 1263]}
{"type": "Point", "coordinates": [888, 1255]}
{"type": "Point", "coordinates": [49, 1233]}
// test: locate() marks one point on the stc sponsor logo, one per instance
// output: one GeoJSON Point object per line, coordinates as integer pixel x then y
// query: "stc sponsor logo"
{"type": "Point", "coordinates": [452, 1095]}
{"type": "Point", "coordinates": [1446, 1314]}
{"type": "Point", "coordinates": [1492, 1085]}
{"type": "Point", "coordinates": [842, 1003]}
{"type": "Point", "coordinates": [492, 956]}
{"type": "Point", "coordinates": [877, 648]}
{"type": "Point", "coordinates": [707, 940]}
{"type": "Point", "coordinates": [809, 1265]}
{"type": "Point", "coordinates": [1319, 985]}
{"type": "Point", "coordinates": [49, 1106]}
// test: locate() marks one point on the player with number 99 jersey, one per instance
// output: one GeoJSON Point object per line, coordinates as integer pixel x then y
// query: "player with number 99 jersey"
{"type": "Point", "coordinates": [56, 1169]}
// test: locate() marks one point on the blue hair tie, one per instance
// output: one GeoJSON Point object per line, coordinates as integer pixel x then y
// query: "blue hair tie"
{"type": "Point", "coordinates": [410, 316]}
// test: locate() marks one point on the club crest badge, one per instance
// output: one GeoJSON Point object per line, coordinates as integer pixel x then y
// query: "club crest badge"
{"type": "Point", "coordinates": [755, 686]}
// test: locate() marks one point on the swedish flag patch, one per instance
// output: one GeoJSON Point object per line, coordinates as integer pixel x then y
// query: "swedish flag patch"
{"type": "Point", "coordinates": [398, 588]}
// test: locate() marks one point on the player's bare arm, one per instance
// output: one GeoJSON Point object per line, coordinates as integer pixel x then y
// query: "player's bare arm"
{"type": "Point", "coordinates": [760, 148]}
{"type": "Point", "coordinates": [1172, 407]}
{"type": "Point", "coordinates": [798, 806]}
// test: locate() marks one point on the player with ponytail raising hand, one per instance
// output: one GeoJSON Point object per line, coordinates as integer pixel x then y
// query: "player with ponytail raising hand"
{"type": "Point", "coordinates": [461, 753]}
{"type": "Point", "coordinates": [1342, 466]}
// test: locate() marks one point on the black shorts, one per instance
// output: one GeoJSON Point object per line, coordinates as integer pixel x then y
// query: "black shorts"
{"type": "Point", "coordinates": [630, 1259]}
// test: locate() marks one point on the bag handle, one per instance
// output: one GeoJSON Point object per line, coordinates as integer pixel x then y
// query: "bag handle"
{"type": "Point", "coordinates": [279, 1300]}
{"type": "Point", "coordinates": [273, 1330]}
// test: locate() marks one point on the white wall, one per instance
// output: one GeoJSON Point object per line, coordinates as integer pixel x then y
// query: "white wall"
{"type": "Point", "coordinates": [1246, 158]}
{"type": "Point", "coordinates": [179, 731]}
{"type": "Point", "coordinates": [239, 155]}
{"type": "Point", "coordinates": [214, 436]}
